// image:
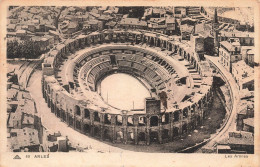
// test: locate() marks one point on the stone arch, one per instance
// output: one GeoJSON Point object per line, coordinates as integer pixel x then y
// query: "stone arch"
{"type": "Point", "coordinates": [96, 132]}
{"type": "Point", "coordinates": [175, 49]}
{"type": "Point", "coordinates": [164, 44]}
{"type": "Point", "coordinates": [78, 125]}
{"type": "Point", "coordinates": [86, 128]}
{"type": "Point", "coordinates": [119, 136]}
{"type": "Point", "coordinates": [170, 47]}
{"type": "Point", "coordinates": [175, 131]}
{"type": "Point", "coordinates": [107, 134]}
{"type": "Point", "coordinates": [63, 115]}
{"type": "Point", "coordinates": [86, 113]}
{"type": "Point", "coordinates": [142, 120]}
{"type": "Point", "coordinates": [141, 137]}
{"type": "Point", "coordinates": [96, 116]}
{"type": "Point", "coordinates": [154, 121]}
{"type": "Point", "coordinates": [165, 134]}
{"type": "Point", "coordinates": [107, 119]}
{"type": "Point", "coordinates": [154, 137]}
{"type": "Point", "coordinates": [71, 120]}
{"type": "Point", "coordinates": [184, 128]}
{"type": "Point", "coordinates": [158, 42]}
{"type": "Point", "coordinates": [58, 112]}
{"type": "Point", "coordinates": [77, 110]}
{"type": "Point", "coordinates": [152, 41]}
{"type": "Point", "coordinates": [52, 107]}
{"type": "Point", "coordinates": [176, 115]}
{"type": "Point", "coordinates": [198, 120]}
{"type": "Point", "coordinates": [185, 112]}
{"type": "Point", "coordinates": [130, 136]}
{"type": "Point", "coordinates": [165, 118]}
{"type": "Point", "coordinates": [119, 120]}
{"type": "Point", "coordinates": [130, 121]}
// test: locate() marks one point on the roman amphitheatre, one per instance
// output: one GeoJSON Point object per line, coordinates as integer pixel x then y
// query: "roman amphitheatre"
{"type": "Point", "coordinates": [177, 76]}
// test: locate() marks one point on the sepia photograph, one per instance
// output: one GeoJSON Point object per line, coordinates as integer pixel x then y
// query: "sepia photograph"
{"type": "Point", "coordinates": [130, 79]}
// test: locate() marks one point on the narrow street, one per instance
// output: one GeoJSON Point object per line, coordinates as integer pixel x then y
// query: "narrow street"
{"type": "Point", "coordinates": [231, 123]}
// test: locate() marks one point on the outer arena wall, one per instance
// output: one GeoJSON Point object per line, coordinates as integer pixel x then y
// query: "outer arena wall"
{"type": "Point", "coordinates": [125, 127]}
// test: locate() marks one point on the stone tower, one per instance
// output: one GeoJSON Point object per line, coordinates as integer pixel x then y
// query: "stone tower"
{"type": "Point", "coordinates": [215, 32]}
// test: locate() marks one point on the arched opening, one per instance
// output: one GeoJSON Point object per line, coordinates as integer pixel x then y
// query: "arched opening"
{"type": "Point", "coordinates": [152, 42]}
{"type": "Point", "coordinates": [107, 135]}
{"type": "Point", "coordinates": [107, 119]}
{"type": "Point", "coordinates": [96, 132]}
{"type": "Point", "coordinates": [48, 89]}
{"type": "Point", "coordinates": [165, 118]}
{"type": "Point", "coordinates": [77, 108]}
{"type": "Point", "coordinates": [154, 121]}
{"type": "Point", "coordinates": [198, 120]}
{"type": "Point", "coordinates": [71, 121]}
{"type": "Point", "coordinates": [86, 128]}
{"type": "Point", "coordinates": [86, 113]}
{"type": "Point", "coordinates": [165, 134]}
{"type": "Point", "coordinates": [141, 121]}
{"type": "Point", "coordinates": [96, 117]}
{"type": "Point", "coordinates": [52, 107]}
{"type": "Point", "coordinates": [184, 128]}
{"type": "Point", "coordinates": [119, 136]}
{"type": "Point", "coordinates": [170, 47]}
{"type": "Point", "coordinates": [78, 125]}
{"type": "Point", "coordinates": [193, 109]}
{"type": "Point", "coordinates": [185, 112]}
{"type": "Point", "coordinates": [164, 44]}
{"type": "Point", "coordinates": [130, 121]}
{"type": "Point", "coordinates": [180, 51]}
{"type": "Point", "coordinates": [130, 137]}
{"type": "Point", "coordinates": [63, 115]}
{"type": "Point", "coordinates": [176, 116]}
{"type": "Point", "coordinates": [175, 132]}
{"type": "Point", "coordinates": [49, 102]}
{"type": "Point", "coordinates": [154, 137]}
{"type": "Point", "coordinates": [204, 114]}
{"type": "Point", "coordinates": [58, 112]}
{"type": "Point", "coordinates": [158, 43]}
{"type": "Point", "coordinates": [141, 138]}
{"type": "Point", "coordinates": [192, 124]}
{"type": "Point", "coordinates": [119, 120]}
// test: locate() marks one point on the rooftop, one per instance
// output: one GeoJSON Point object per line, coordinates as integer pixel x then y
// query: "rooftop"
{"type": "Point", "coordinates": [227, 45]}
{"type": "Point", "coordinates": [249, 121]}
{"type": "Point", "coordinates": [24, 137]}
{"type": "Point", "coordinates": [132, 21]}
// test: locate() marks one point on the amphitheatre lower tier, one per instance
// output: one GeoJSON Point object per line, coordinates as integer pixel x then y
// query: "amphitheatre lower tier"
{"type": "Point", "coordinates": [179, 82]}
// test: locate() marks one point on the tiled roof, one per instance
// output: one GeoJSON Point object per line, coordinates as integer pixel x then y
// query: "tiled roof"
{"type": "Point", "coordinates": [132, 21]}
{"type": "Point", "coordinates": [228, 45]}
{"type": "Point", "coordinates": [11, 26]}
{"type": "Point", "coordinates": [249, 121]}
{"type": "Point", "coordinates": [186, 28]}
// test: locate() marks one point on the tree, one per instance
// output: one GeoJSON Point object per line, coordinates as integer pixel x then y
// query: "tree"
{"type": "Point", "coordinates": [26, 49]}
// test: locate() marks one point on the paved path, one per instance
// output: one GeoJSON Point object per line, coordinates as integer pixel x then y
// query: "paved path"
{"type": "Point", "coordinates": [231, 123]}
{"type": "Point", "coordinates": [53, 124]}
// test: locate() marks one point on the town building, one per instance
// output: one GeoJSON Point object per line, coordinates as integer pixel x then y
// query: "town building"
{"type": "Point", "coordinates": [243, 75]}
{"type": "Point", "coordinates": [229, 52]}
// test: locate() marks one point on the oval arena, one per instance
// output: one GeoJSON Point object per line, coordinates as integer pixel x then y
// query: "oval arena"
{"type": "Point", "coordinates": [176, 74]}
